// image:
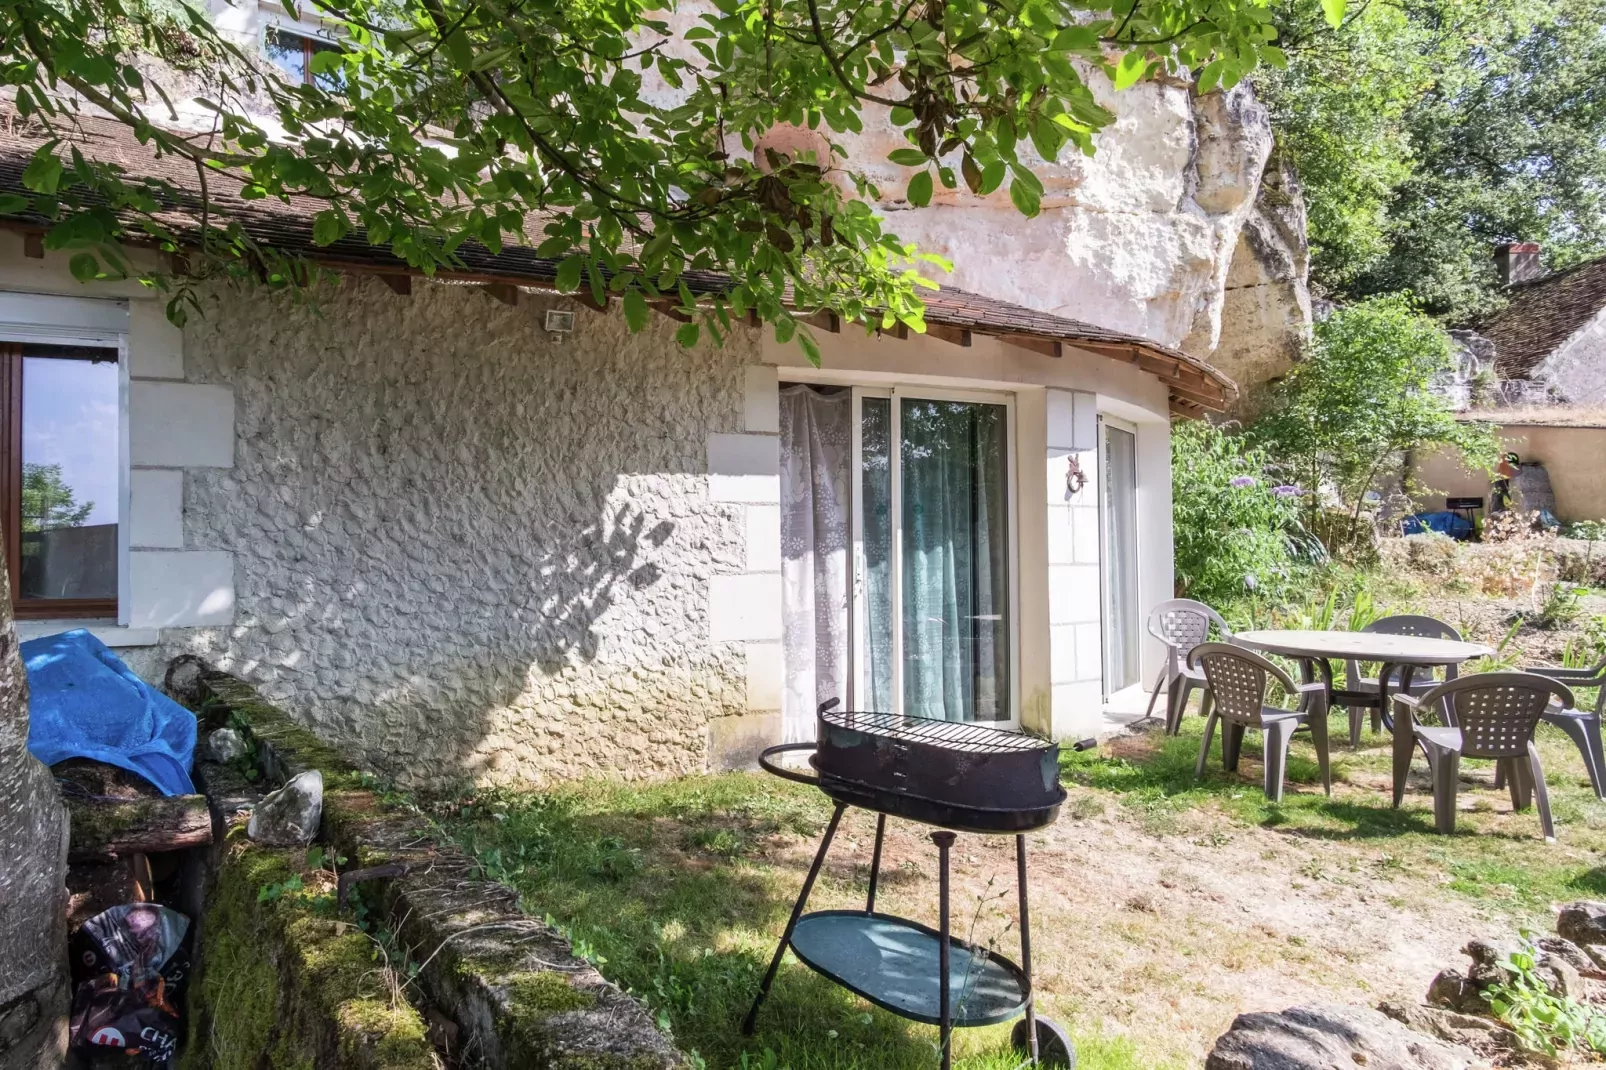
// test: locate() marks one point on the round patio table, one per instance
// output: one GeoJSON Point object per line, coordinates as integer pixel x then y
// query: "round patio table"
{"type": "Point", "coordinates": [1315, 651]}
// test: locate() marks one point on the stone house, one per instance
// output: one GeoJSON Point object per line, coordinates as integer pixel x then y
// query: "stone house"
{"type": "Point", "coordinates": [1550, 336]}
{"type": "Point", "coordinates": [468, 527]}
{"type": "Point", "coordinates": [1537, 368]}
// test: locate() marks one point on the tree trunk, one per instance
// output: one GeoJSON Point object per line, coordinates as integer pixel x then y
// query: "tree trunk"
{"type": "Point", "coordinates": [33, 890]}
{"type": "Point", "coordinates": [121, 827]}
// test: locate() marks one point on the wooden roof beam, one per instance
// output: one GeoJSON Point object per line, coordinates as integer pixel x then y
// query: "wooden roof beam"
{"type": "Point", "coordinates": [399, 284]}
{"type": "Point", "coordinates": [504, 292]}
{"type": "Point", "coordinates": [825, 320]}
{"type": "Point", "coordinates": [672, 310]}
{"type": "Point", "coordinates": [959, 336]}
{"type": "Point", "coordinates": [1048, 347]}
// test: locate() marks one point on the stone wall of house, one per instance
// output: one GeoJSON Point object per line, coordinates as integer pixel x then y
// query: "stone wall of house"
{"type": "Point", "coordinates": [463, 546]}
{"type": "Point", "coordinates": [1576, 373]}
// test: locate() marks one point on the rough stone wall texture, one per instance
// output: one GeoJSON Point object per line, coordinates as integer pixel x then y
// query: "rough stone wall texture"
{"type": "Point", "coordinates": [464, 548]}
{"type": "Point", "coordinates": [1576, 373]}
{"type": "Point", "coordinates": [1175, 229]}
{"type": "Point", "coordinates": [33, 890]}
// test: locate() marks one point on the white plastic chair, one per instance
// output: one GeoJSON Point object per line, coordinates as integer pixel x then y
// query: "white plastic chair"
{"type": "Point", "coordinates": [1181, 624]}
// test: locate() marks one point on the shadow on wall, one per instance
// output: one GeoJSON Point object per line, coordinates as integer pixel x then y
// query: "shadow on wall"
{"type": "Point", "coordinates": [608, 554]}
{"type": "Point", "coordinates": [463, 546]}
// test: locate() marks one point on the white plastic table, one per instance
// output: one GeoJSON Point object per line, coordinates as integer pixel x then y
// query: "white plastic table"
{"type": "Point", "coordinates": [1316, 650]}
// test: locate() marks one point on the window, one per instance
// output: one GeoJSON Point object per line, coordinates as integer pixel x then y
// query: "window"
{"type": "Point", "coordinates": [292, 53]}
{"type": "Point", "coordinates": [60, 461]}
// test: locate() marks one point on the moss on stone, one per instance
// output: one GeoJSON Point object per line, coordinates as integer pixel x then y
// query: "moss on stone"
{"type": "Point", "coordinates": [542, 993]}
{"type": "Point", "coordinates": [276, 978]}
{"type": "Point", "coordinates": [296, 745]}
{"type": "Point", "coordinates": [236, 1001]}
{"type": "Point", "coordinates": [335, 966]}
{"type": "Point", "coordinates": [383, 1034]}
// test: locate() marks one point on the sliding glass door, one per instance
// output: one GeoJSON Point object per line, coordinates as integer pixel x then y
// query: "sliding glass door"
{"type": "Point", "coordinates": [897, 561]}
{"type": "Point", "coordinates": [1120, 537]}
{"type": "Point", "coordinates": [932, 613]}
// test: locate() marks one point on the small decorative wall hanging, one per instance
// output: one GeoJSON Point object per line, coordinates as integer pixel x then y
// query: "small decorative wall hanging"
{"type": "Point", "coordinates": [1075, 478]}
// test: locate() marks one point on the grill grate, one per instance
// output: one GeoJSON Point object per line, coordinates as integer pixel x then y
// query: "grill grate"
{"type": "Point", "coordinates": [950, 735]}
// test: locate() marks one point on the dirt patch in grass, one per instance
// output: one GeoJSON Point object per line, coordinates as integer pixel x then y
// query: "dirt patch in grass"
{"type": "Point", "coordinates": [1162, 906]}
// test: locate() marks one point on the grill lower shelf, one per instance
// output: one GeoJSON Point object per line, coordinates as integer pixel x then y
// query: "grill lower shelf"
{"type": "Point", "coordinates": [894, 963]}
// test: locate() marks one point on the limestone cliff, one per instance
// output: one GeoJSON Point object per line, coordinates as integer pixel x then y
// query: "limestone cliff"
{"type": "Point", "coordinates": [1181, 227]}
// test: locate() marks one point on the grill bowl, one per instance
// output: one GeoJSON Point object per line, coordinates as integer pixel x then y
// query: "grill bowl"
{"type": "Point", "coordinates": [961, 776]}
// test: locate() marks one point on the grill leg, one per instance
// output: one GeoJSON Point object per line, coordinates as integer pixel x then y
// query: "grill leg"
{"type": "Point", "coordinates": [1026, 946]}
{"type": "Point", "coordinates": [797, 912]}
{"type": "Point", "coordinates": [875, 861]}
{"type": "Point", "coordinates": [944, 842]}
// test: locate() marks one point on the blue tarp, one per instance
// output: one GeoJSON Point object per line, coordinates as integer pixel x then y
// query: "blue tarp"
{"type": "Point", "coordinates": [85, 703]}
{"type": "Point", "coordinates": [1451, 524]}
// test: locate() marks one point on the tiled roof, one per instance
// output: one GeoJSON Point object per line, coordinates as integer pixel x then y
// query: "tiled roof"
{"type": "Point", "coordinates": [951, 313]}
{"type": "Point", "coordinates": [1540, 316]}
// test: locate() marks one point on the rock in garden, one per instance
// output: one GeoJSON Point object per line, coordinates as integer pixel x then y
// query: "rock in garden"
{"type": "Point", "coordinates": [289, 817]}
{"type": "Point", "coordinates": [1555, 971]}
{"type": "Point", "coordinates": [1584, 923]}
{"type": "Point", "coordinates": [1553, 967]}
{"type": "Point", "coordinates": [1326, 1036]}
{"type": "Point", "coordinates": [226, 746]}
{"type": "Point", "coordinates": [1455, 991]}
{"type": "Point", "coordinates": [1558, 949]}
{"type": "Point", "coordinates": [1483, 1036]}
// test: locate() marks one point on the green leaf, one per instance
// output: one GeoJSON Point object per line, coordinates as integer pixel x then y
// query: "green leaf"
{"type": "Point", "coordinates": [811, 348]}
{"type": "Point", "coordinates": [1209, 78]}
{"type": "Point", "coordinates": [920, 189]}
{"type": "Point", "coordinates": [1075, 39]}
{"type": "Point", "coordinates": [328, 227]}
{"type": "Point", "coordinates": [901, 116]}
{"type": "Point", "coordinates": [636, 311]}
{"type": "Point", "coordinates": [1025, 198]}
{"type": "Point", "coordinates": [13, 203]}
{"type": "Point", "coordinates": [568, 276]}
{"type": "Point", "coordinates": [687, 334]}
{"type": "Point", "coordinates": [1334, 10]}
{"type": "Point", "coordinates": [907, 157]}
{"type": "Point", "coordinates": [84, 267]}
{"type": "Point", "coordinates": [43, 173]}
{"type": "Point", "coordinates": [1134, 63]}
{"type": "Point", "coordinates": [992, 176]}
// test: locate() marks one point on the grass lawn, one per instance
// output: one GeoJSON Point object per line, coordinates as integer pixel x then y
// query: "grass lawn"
{"type": "Point", "coordinates": [1162, 906]}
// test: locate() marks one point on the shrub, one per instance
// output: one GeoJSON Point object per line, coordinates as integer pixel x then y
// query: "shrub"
{"type": "Point", "coordinates": [1343, 418]}
{"type": "Point", "coordinates": [1236, 525]}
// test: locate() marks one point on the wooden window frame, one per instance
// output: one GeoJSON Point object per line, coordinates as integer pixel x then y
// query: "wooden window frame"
{"type": "Point", "coordinates": [11, 504]}
{"type": "Point", "coordinates": [309, 48]}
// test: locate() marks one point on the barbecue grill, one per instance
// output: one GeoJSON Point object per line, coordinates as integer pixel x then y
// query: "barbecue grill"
{"type": "Point", "coordinates": [956, 776]}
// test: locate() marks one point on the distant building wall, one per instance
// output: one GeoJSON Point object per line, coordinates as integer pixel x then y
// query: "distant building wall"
{"type": "Point", "coordinates": [1574, 457]}
{"type": "Point", "coordinates": [1576, 373]}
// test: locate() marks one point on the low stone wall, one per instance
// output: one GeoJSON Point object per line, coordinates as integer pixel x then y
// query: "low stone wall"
{"type": "Point", "coordinates": [287, 972]}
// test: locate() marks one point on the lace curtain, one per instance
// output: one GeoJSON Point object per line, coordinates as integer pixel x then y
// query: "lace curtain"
{"type": "Point", "coordinates": [816, 449]}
